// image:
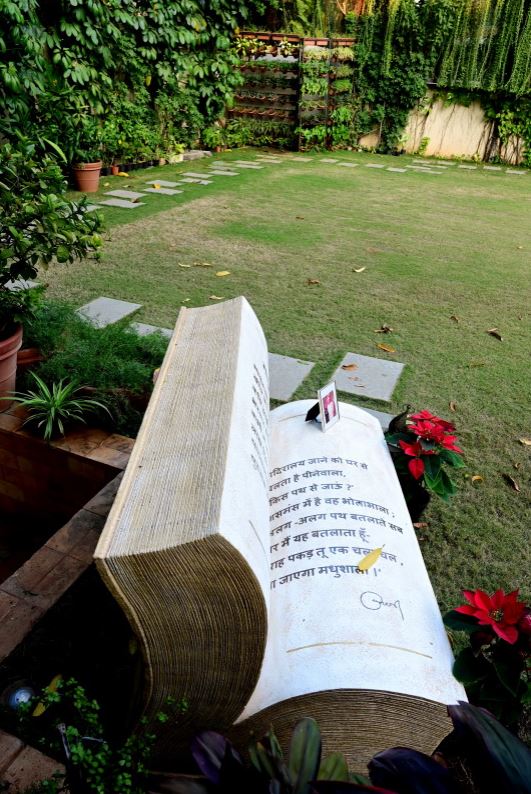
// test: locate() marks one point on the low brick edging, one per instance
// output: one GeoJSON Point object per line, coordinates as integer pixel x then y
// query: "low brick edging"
{"type": "Point", "coordinates": [22, 766]}
{"type": "Point", "coordinates": [36, 586]}
{"type": "Point", "coordinates": [26, 596]}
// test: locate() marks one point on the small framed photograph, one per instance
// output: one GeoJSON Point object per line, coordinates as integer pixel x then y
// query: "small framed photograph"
{"type": "Point", "coordinates": [328, 406]}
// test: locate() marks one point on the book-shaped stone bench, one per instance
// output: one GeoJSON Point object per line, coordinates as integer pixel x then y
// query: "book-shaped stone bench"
{"type": "Point", "coordinates": [233, 547]}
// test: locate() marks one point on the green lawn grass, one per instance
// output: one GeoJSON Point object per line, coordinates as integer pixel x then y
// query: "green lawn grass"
{"type": "Point", "coordinates": [432, 247]}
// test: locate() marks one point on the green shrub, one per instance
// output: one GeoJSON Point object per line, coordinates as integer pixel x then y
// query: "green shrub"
{"type": "Point", "coordinates": [115, 361]}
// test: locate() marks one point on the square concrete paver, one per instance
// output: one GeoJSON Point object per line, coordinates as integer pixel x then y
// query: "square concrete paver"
{"type": "Point", "coordinates": [106, 311]}
{"type": "Point", "coordinates": [373, 377]}
{"type": "Point", "coordinates": [161, 182]}
{"type": "Point", "coordinates": [126, 205]}
{"type": "Point", "coordinates": [382, 417]}
{"type": "Point", "coordinates": [126, 194]}
{"type": "Point", "coordinates": [348, 165]}
{"type": "Point", "coordinates": [195, 174]}
{"type": "Point", "coordinates": [492, 168]}
{"type": "Point", "coordinates": [164, 191]}
{"type": "Point", "coordinates": [468, 167]}
{"type": "Point", "coordinates": [143, 329]}
{"type": "Point", "coordinates": [189, 180]}
{"type": "Point", "coordinates": [515, 171]}
{"type": "Point", "coordinates": [223, 172]}
{"type": "Point", "coordinates": [374, 165]}
{"type": "Point", "coordinates": [286, 375]}
{"type": "Point", "coordinates": [301, 159]}
{"type": "Point", "coordinates": [328, 160]}
{"type": "Point", "coordinates": [398, 170]}
{"type": "Point", "coordinates": [91, 207]}
{"type": "Point", "coordinates": [252, 167]}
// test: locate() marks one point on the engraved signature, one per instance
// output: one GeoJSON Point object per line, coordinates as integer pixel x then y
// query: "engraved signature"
{"type": "Point", "coordinates": [374, 601]}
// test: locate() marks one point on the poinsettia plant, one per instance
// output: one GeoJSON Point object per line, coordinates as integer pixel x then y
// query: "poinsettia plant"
{"type": "Point", "coordinates": [422, 445]}
{"type": "Point", "coordinates": [494, 667]}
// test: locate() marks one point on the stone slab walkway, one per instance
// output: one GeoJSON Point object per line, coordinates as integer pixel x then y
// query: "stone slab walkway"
{"type": "Point", "coordinates": [367, 376]}
{"type": "Point", "coordinates": [125, 194]}
{"type": "Point", "coordinates": [126, 205]}
{"type": "Point", "coordinates": [286, 375]}
{"type": "Point", "coordinates": [106, 311]}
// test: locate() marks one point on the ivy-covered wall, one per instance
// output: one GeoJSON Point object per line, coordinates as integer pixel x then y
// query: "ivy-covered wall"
{"type": "Point", "coordinates": [131, 76]}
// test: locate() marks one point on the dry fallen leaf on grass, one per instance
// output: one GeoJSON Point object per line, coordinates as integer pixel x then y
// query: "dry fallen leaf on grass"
{"type": "Point", "coordinates": [358, 269]}
{"type": "Point", "coordinates": [421, 525]}
{"type": "Point", "coordinates": [202, 264]}
{"type": "Point", "coordinates": [454, 318]}
{"type": "Point", "coordinates": [222, 273]}
{"type": "Point", "coordinates": [476, 364]}
{"type": "Point", "coordinates": [452, 405]}
{"type": "Point", "coordinates": [387, 348]}
{"type": "Point", "coordinates": [349, 367]}
{"type": "Point", "coordinates": [122, 173]}
{"type": "Point", "coordinates": [215, 298]}
{"type": "Point", "coordinates": [184, 265]}
{"type": "Point", "coordinates": [525, 441]}
{"type": "Point", "coordinates": [156, 185]}
{"type": "Point", "coordinates": [299, 217]}
{"type": "Point", "coordinates": [495, 333]}
{"type": "Point", "coordinates": [383, 329]}
{"type": "Point", "coordinates": [106, 184]}
{"type": "Point", "coordinates": [511, 481]}
{"type": "Point", "coordinates": [516, 465]}
{"type": "Point", "coordinates": [313, 281]}
{"type": "Point", "coordinates": [476, 478]}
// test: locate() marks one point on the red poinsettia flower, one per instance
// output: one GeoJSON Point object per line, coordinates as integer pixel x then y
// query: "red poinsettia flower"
{"type": "Point", "coordinates": [428, 430]}
{"type": "Point", "coordinates": [416, 467]}
{"type": "Point", "coordinates": [500, 611]}
{"type": "Point", "coordinates": [432, 418]}
{"type": "Point", "coordinates": [448, 443]}
{"type": "Point", "coordinates": [414, 449]}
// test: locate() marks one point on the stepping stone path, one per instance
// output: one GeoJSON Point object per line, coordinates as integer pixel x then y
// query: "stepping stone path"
{"type": "Point", "coordinates": [165, 191]}
{"type": "Point", "coordinates": [162, 183]}
{"type": "Point", "coordinates": [398, 170]}
{"type": "Point", "coordinates": [328, 160]}
{"type": "Point", "coordinates": [196, 175]}
{"type": "Point", "coordinates": [382, 417]}
{"type": "Point", "coordinates": [91, 207]}
{"type": "Point", "coordinates": [369, 377]}
{"type": "Point", "coordinates": [106, 311]}
{"type": "Point", "coordinates": [514, 171]}
{"type": "Point", "coordinates": [20, 283]}
{"type": "Point", "coordinates": [286, 375]}
{"type": "Point", "coordinates": [374, 165]}
{"type": "Point", "coordinates": [223, 173]}
{"type": "Point", "coordinates": [301, 159]}
{"type": "Point", "coordinates": [190, 180]}
{"type": "Point", "coordinates": [468, 167]}
{"type": "Point", "coordinates": [125, 194]}
{"type": "Point", "coordinates": [245, 165]}
{"type": "Point", "coordinates": [126, 205]}
{"type": "Point", "coordinates": [492, 168]}
{"type": "Point", "coordinates": [348, 165]}
{"type": "Point", "coordinates": [143, 329]}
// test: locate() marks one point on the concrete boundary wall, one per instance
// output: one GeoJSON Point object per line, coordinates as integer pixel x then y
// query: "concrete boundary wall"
{"type": "Point", "coordinates": [452, 130]}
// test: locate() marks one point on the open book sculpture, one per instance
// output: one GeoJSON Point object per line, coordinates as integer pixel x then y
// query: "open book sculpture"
{"type": "Point", "coordinates": [233, 547]}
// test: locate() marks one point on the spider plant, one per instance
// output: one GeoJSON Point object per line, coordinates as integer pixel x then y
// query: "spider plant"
{"type": "Point", "coordinates": [50, 408]}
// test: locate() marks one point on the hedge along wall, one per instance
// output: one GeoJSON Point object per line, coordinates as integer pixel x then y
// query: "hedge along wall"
{"type": "Point", "coordinates": [153, 73]}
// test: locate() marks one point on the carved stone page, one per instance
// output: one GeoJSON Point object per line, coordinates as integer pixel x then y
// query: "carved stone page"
{"type": "Point", "coordinates": [366, 654]}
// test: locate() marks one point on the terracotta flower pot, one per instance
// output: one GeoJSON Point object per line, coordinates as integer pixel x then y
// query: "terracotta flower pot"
{"type": "Point", "coordinates": [114, 169]}
{"type": "Point", "coordinates": [8, 364]}
{"type": "Point", "coordinates": [87, 176]}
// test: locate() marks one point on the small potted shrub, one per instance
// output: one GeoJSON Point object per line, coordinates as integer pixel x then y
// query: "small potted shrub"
{"type": "Point", "coordinates": [422, 445]}
{"type": "Point", "coordinates": [37, 225]}
{"type": "Point", "coordinates": [87, 162]}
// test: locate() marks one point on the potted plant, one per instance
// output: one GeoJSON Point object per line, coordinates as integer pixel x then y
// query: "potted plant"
{"type": "Point", "coordinates": [421, 446]}
{"type": "Point", "coordinates": [37, 225]}
{"type": "Point", "coordinates": [87, 162]}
